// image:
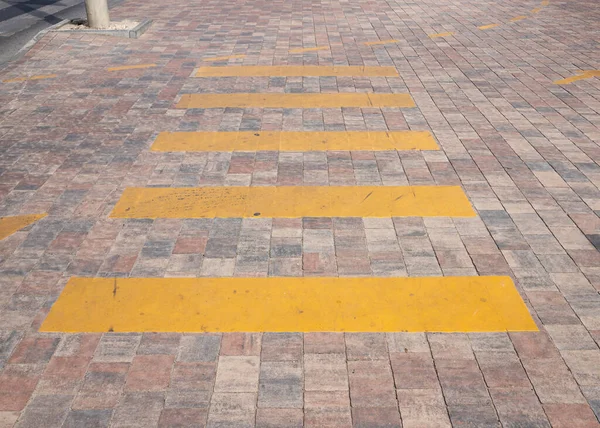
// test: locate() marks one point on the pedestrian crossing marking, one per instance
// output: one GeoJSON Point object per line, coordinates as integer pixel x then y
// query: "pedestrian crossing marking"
{"type": "Point", "coordinates": [9, 225]}
{"type": "Point", "coordinates": [214, 305]}
{"type": "Point", "coordinates": [296, 71]}
{"type": "Point", "coordinates": [293, 141]}
{"type": "Point", "coordinates": [287, 100]}
{"type": "Point", "coordinates": [293, 202]}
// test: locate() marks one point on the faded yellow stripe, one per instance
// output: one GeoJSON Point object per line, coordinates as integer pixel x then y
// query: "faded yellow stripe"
{"type": "Point", "coordinates": [278, 100]}
{"type": "Point", "coordinates": [223, 58]}
{"type": "Point", "coordinates": [536, 10]}
{"type": "Point", "coordinates": [381, 42]}
{"type": "Point", "coordinates": [316, 48]}
{"type": "Point", "coordinates": [22, 79]}
{"type": "Point", "coordinates": [586, 74]}
{"type": "Point", "coordinates": [9, 225]}
{"type": "Point", "coordinates": [293, 202]}
{"type": "Point", "coordinates": [297, 70]}
{"type": "Point", "coordinates": [545, 3]}
{"type": "Point", "coordinates": [202, 305]}
{"type": "Point", "coordinates": [518, 18]}
{"type": "Point", "coordinates": [433, 36]}
{"type": "Point", "coordinates": [292, 141]}
{"type": "Point", "coordinates": [487, 27]}
{"type": "Point", "coordinates": [130, 67]}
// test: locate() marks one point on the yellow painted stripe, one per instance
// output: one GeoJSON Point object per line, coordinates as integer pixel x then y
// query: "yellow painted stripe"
{"type": "Point", "coordinates": [292, 141]}
{"type": "Point", "coordinates": [381, 42]}
{"type": "Point", "coordinates": [223, 58]}
{"type": "Point", "coordinates": [545, 3]}
{"type": "Point", "coordinates": [9, 225]}
{"type": "Point", "coordinates": [433, 36]}
{"type": "Point", "coordinates": [518, 18]}
{"type": "Point", "coordinates": [293, 202]}
{"type": "Point", "coordinates": [487, 27]}
{"type": "Point", "coordinates": [130, 67]}
{"type": "Point", "coordinates": [536, 10]}
{"type": "Point", "coordinates": [194, 305]}
{"type": "Point", "coordinates": [297, 70]}
{"type": "Point", "coordinates": [584, 74]}
{"type": "Point", "coordinates": [22, 79]}
{"type": "Point", "coordinates": [278, 100]}
{"type": "Point", "coordinates": [301, 50]}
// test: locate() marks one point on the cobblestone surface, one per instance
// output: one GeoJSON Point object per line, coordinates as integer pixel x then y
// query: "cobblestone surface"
{"type": "Point", "coordinates": [525, 150]}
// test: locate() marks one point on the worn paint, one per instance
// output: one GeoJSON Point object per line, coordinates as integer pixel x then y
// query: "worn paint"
{"type": "Point", "coordinates": [545, 2]}
{"type": "Point", "coordinates": [9, 225]}
{"type": "Point", "coordinates": [584, 74]}
{"type": "Point", "coordinates": [433, 36]}
{"type": "Point", "coordinates": [536, 10]}
{"type": "Point", "coordinates": [194, 305]}
{"type": "Point", "coordinates": [518, 18]}
{"type": "Point", "coordinates": [251, 141]}
{"type": "Point", "coordinates": [293, 202]}
{"type": "Point", "coordinates": [130, 67]}
{"type": "Point", "coordinates": [381, 42]}
{"type": "Point", "coordinates": [487, 27]}
{"type": "Point", "coordinates": [38, 77]}
{"type": "Point", "coordinates": [302, 50]}
{"type": "Point", "coordinates": [297, 70]}
{"type": "Point", "coordinates": [279, 100]}
{"type": "Point", "coordinates": [223, 58]}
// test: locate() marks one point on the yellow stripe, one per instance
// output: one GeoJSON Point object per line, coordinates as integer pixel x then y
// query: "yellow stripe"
{"type": "Point", "coordinates": [381, 42]}
{"type": "Point", "coordinates": [292, 141]}
{"type": "Point", "coordinates": [278, 100]}
{"type": "Point", "coordinates": [223, 58]}
{"type": "Point", "coordinates": [193, 305]}
{"type": "Point", "coordinates": [301, 50]}
{"type": "Point", "coordinates": [293, 202]}
{"type": "Point", "coordinates": [297, 70]}
{"type": "Point", "coordinates": [487, 27]}
{"type": "Point", "coordinates": [130, 67]}
{"type": "Point", "coordinates": [518, 18]}
{"type": "Point", "coordinates": [22, 79]}
{"type": "Point", "coordinates": [536, 10]}
{"type": "Point", "coordinates": [584, 74]}
{"type": "Point", "coordinates": [433, 36]}
{"type": "Point", "coordinates": [9, 225]}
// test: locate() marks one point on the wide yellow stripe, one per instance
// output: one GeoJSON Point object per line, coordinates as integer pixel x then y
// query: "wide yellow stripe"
{"type": "Point", "coordinates": [297, 70]}
{"type": "Point", "coordinates": [278, 100]}
{"type": "Point", "coordinates": [292, 141]}
{"type": "Point", "coordinates": [193, 305]}
{"type": "Point", "coordinates": [293, 202]}
{"type": "Point", "coordinates": [9, 225]}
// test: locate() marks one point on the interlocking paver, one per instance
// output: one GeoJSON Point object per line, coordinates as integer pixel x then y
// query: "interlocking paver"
{"type": "Point", "coordinates": [503, 89]}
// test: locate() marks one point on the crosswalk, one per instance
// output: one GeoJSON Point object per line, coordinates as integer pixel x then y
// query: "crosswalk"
{"type": "Point", "coordinates": [441, 304]}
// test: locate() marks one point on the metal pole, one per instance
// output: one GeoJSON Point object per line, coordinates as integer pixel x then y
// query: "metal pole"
{"type": "Point", "coordinates": [97, 13]}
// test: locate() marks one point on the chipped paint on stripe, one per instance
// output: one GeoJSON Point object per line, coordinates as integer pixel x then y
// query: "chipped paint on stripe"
{"type": "Point", "coordinates": [23, 79]}
{"type": "Point", "coordinates": [130, 67]}
{"type": "Point", "coordinates": [215, 305]}
{"type": "Point", "coordinates": [487, 27]}
{"type": "Point", "coordinates": [381, 42]}
{"type": "Point", "coordinates": [293, 70]}
{"type": "Point", "coordinates": [290, 141]}
{"type": "Point", "coordinates": [287, 100]}
{"type": "Point", "coordinates": [433, 36]}
{"type": "Point", "coordinates": [9, 225]}
{"type": "Point", "coordinates": [293, 202]}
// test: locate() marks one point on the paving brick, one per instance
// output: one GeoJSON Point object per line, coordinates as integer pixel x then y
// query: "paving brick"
{"type": "Point", "coordinates": [237, 374]}
{"type": "Point", "coordinates": [149, 373]}
{"type": "Point", "coordinates": [138, 409]}
{"type": "Point", "coordinates": [200, 348]}
{"type": "Point", "coordinates": [195, 418]}
{"type": "Point", "coordinates": [232, 409]}
{"type": "Point", "coordinates": [371, 384]}
{"type": "Point", "coordinates": [325, 372]}
{"type": "Point", "coordinates": [102, 386]}
{"type": "Point", "coordinates": [280, 385]}
{"type": "Point", "coordinates": [570, 415]}
{"type": "Point", "coordinates": [281, 347]}
{"type": "Point", "coordinates": [273, 418]}
{"type": "Point", "coordinates": [45, 410]}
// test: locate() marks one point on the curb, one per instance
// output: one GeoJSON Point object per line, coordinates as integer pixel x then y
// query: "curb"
{"type": "Point", "coordinates": [134, 33]}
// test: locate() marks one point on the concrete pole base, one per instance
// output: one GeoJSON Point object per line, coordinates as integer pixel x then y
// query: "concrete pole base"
{"type": "Point", "coordinates": [97, 13]}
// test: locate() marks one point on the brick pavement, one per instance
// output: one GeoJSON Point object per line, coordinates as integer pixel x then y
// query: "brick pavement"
{"type": "Point", "coordinates": [524, 149]}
